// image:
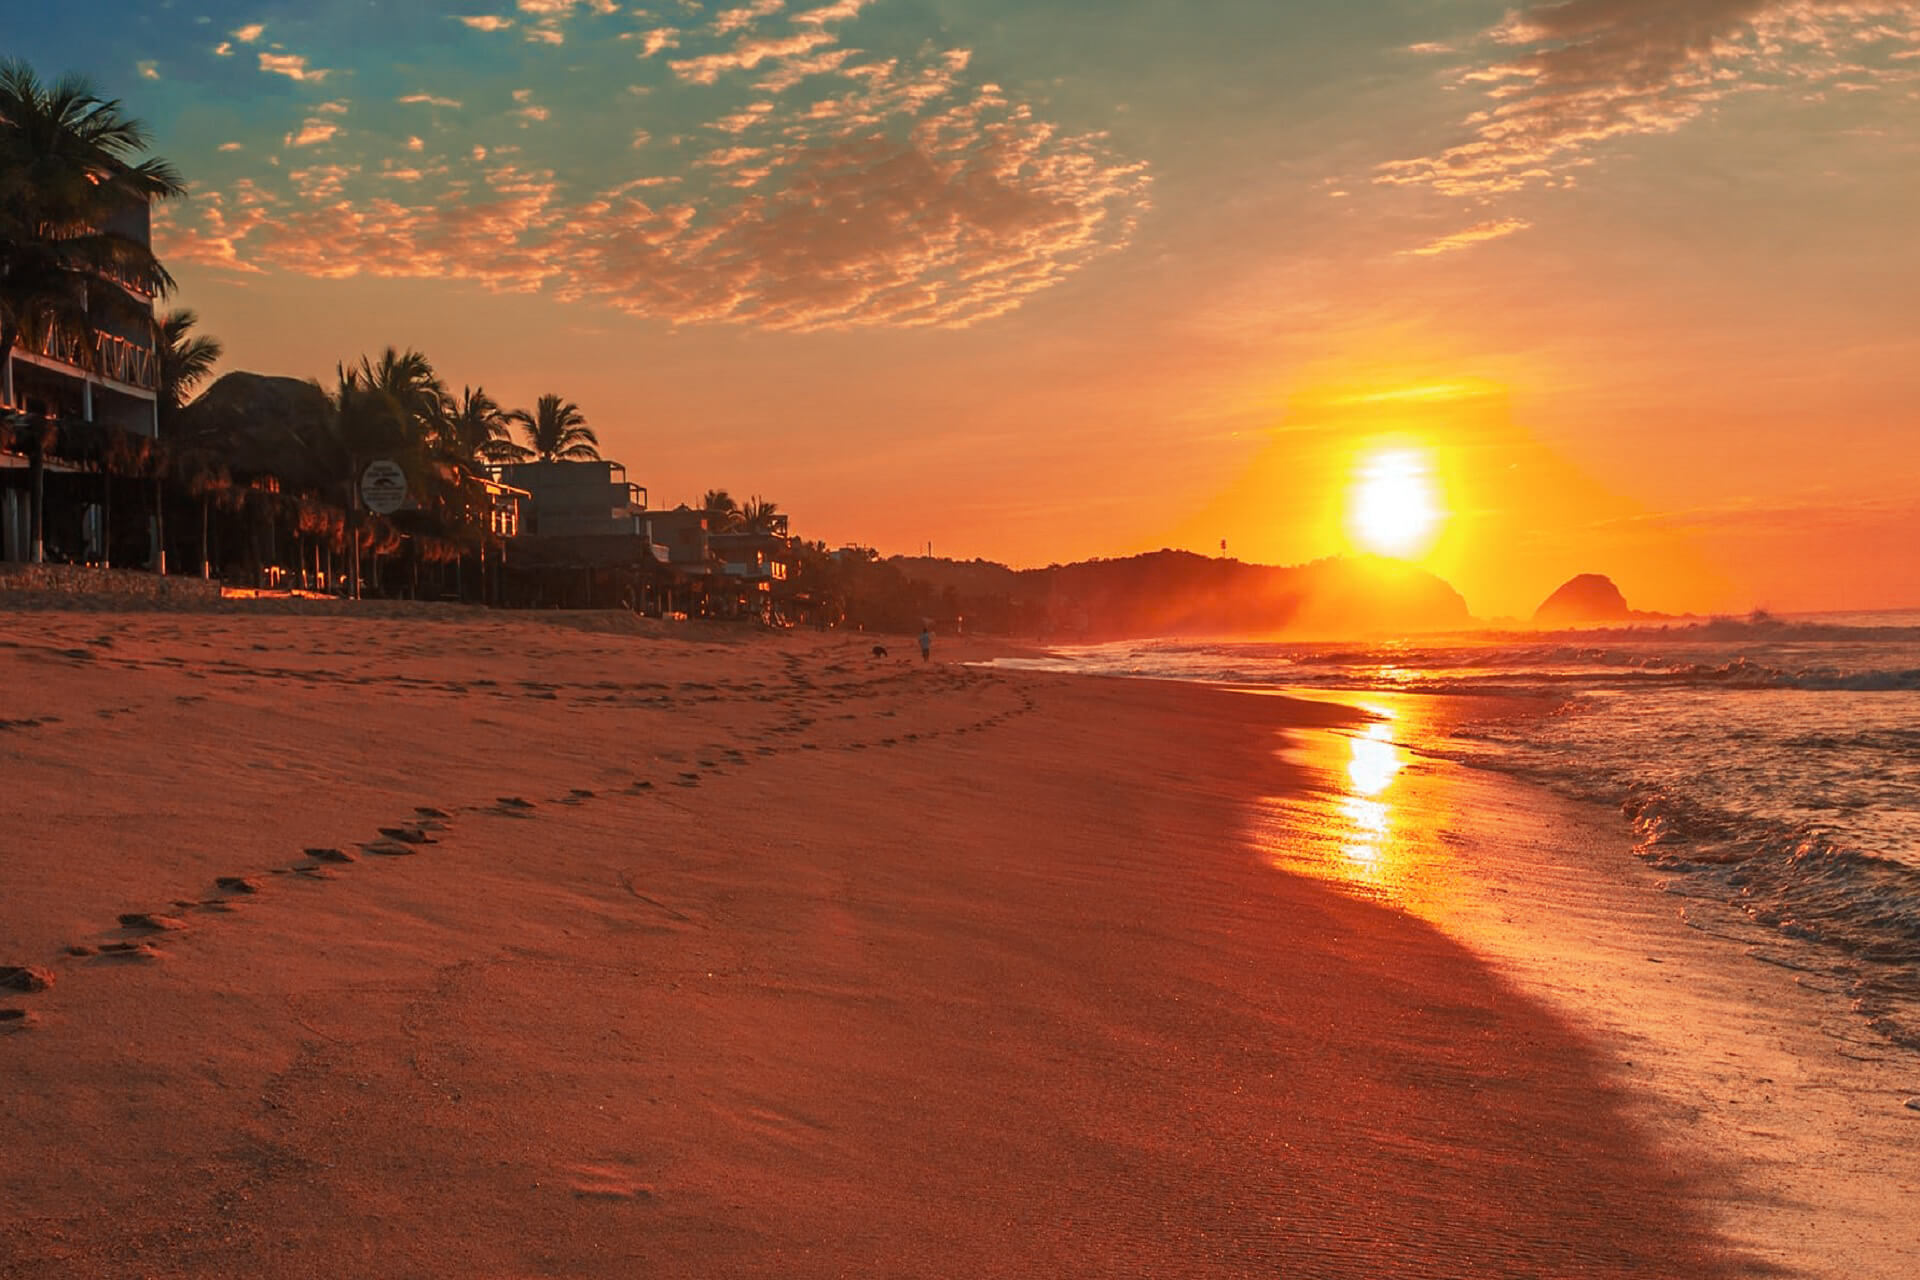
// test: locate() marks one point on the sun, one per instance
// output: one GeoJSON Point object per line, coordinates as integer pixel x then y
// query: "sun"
{"type": "Point", "coordinates": [1392, 508]}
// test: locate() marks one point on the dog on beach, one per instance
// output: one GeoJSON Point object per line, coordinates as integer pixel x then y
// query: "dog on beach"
{"type": "Point", "coordinates": [879, 651]}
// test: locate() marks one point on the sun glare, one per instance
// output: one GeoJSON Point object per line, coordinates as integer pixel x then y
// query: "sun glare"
{"type": "Point", "coordinates": [1392, 509]}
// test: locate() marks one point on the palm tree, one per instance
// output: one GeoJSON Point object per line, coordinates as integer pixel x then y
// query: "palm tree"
{"type": "Point", "coordinates": [66, 168]}
{"type": "Point", "coordinates": [475, 430]}
{"type": "Point", "coordinates": [408, 380]}
{"type": "Point", "coordinates": [556, 431]}
{"type": "Point", "coordinates": [725, 512]}
{"type": "Point", "coordinates": [371, 420]}
{"type": "Point", "coordinates": [185, 361]}
{"type": "Point", "coordinates": [761, 516]}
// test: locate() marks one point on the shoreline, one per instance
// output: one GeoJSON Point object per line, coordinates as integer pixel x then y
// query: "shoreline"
{"type": "Point", "coordinates": [917, 970]}
{"type": "Point", "coordinates": [1728, 1046]}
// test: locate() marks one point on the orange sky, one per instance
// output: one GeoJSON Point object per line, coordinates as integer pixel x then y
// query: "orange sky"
{"type": "Point", "coordinates": [1035, 285]}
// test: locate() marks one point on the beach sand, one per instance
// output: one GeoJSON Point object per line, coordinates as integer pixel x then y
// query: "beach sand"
{"type": "Point", "coordinates": [658, 952]}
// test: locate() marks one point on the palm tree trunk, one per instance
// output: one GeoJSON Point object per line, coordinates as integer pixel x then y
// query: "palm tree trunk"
{"type": "Point", "coordinates": [206, 516]}
{"type": "Point", "coordinates": [37, 486]}
{"type": "Point", "coordinates": [159, 525]}
{"type": "Point", "coordinates": [106, 517]}
{"type": "Point", "coordinates": [353, 524]}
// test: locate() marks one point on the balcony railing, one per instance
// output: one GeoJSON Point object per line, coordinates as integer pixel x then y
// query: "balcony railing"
{"type": "Point", "coordinates": [114, 357]}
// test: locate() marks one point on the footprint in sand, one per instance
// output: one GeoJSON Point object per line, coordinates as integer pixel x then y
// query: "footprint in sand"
{"type": "Point", "coordinates": [237, 884]}
{"type": "Point", "coordinates": [151, 920]}
{"type": "Point", "coordinates": [16, 1020]}
{"type": "Point", "coordinates": [407, 835]}
{"type": "Point", "coordinates": [129, 952]}
{"type": "Point", "coordinates": [321, 854]}
{"type": "Point", "coordinates": [25, 977]}
{"type": "Point", "coordinates": [606, 1182]}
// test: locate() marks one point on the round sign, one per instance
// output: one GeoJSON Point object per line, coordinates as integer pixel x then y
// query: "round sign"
{"type": "Point", "coordinates": [383, 487]}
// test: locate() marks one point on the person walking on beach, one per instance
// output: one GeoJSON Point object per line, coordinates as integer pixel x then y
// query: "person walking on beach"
{"type": "Point", "coordinates": [926, 644]}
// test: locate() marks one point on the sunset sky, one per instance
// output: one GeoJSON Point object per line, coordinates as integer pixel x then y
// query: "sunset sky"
{"type": "Point", "coordinates": [1633, 284]}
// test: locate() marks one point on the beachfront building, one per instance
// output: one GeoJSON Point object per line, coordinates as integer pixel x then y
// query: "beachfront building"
{"type": "Point", "coordinates": [577, 498]}
{"type": "Point", "coordinates": [113, 378]}
{"type": "Point", "coordinates": [582, 539]}
{"type": "Point", "coordinates": [506, 505]}
{"type": "Point", "coordinates": [755, 569]}
{"type": "Point", "coordinates": [109, 379]}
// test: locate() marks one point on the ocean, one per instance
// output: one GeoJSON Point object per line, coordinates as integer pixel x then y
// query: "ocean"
{"type": "Point", "coordinates": [1772, 763]}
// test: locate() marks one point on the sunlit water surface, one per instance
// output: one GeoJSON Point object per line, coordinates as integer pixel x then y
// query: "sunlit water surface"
{"type": "Point", "coordinates": [1773, 762]}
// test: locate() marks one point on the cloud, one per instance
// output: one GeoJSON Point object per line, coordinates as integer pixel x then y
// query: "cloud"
{"type": "Point", "coordinates": [654, 41]}
{"type": "Point", "coordinates": [148, 70]}
{"type": "Point", "coordinates": [746, 55]}
{"type": "Point", "coordinates": [313, 130]}
{"type": "Point", "coordinates": [233, 146]}
{"type": "Point", "coordinates": [730, 20]}
{"type": "Point", "coordinates": [547, 18]}
{"type": "Point", "coordinates": [430, 100]}
{"type": "Point", "coordinates": [895, 194]}
{"type": "Point", "coordinates": [249, 33]}
{"type": "Point", "coordinates": [1572, 75]}
{"type": "Point", "coordinates": [1480, 233]}
{"type": "Point", "coordinates": [486, 22]}
{"type": "Point", "coordinates": [292, 66]}
{"type": "Point", "coordinates": [740, 121]}
{"type": "Point", "coordinates": [837, 12]}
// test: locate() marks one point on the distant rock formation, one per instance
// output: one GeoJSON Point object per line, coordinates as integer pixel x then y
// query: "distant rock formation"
{"type": "Point", "coordinates": [1582, 600]}
{"type": "Point", "coordinates": [1177, 593]}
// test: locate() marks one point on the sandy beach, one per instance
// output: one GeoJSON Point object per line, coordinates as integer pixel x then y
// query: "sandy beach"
{"type": "Point", "coordinates": [642, 951]}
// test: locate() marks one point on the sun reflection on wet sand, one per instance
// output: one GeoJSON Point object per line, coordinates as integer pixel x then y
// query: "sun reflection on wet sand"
{"type": "Point", "coordinates": [1354, 827]}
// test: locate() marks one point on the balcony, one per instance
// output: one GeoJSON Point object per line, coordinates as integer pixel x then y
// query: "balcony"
{"type": "Point", "coordinates": [114, 358]}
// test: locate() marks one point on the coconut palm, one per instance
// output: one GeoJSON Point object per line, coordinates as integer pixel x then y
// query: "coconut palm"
{"type": "Point", "coordinates": [761, 516]}
{"type": "Point", "coordinates": [556, 431]}
{"type": "Point", "coordinates": [371, 420]}
{"type": "Point", "coordinates": [475, 430]}
{"type": "Point", "coordinates": [723, 512]}
{"type": "Point", "coordinates": [67, 168]}
{"type": "Point", "coordinates": [408, 380]}
{"type": "Point", "coordinates": [185, 361]}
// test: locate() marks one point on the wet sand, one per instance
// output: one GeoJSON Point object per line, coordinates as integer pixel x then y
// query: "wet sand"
{"type": "Point", "coordinates": [717, 956]}
{"type": "Point", "coordinates": [1733, 1050]}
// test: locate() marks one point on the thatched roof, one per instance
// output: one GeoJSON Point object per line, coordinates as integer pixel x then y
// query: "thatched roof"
{"type": "Point", "coordinates": [259, 424]}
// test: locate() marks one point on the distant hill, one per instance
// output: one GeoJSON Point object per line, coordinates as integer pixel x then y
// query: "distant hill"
{"type": "Point", "coordinates": [1177, 593]}
{"type": "Point", "coordinates": [1585, 600]}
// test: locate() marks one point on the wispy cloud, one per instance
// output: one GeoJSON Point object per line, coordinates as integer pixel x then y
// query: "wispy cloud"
{"type": "Point", "coordinates": [486, 21]}
{"type": "Point", "coordinates": [837, 12]}
{"type": "Point", "coordinates": [292, 66]}
{"type": "Point", "coordinates": [314, 129]}
{"type": "Point", "coordinates": [1479, 233]}
{"type": "Point", "coordinates": [896, 194]}
{"type": "Point", "coordinates": [737, 19]}
{"type": "Point", "coordinates": [746, 55]}
{"type": "Point", "coordinates": [429, 99]}
{"type": "Point", "coordinates": [652, 42]}
{"type": "Point", "coordinates": [1571, 75]}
